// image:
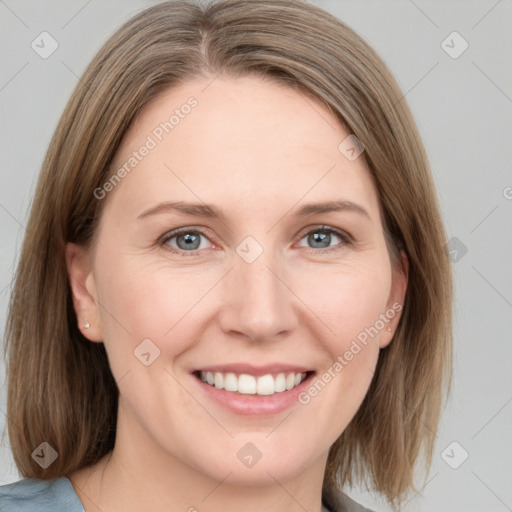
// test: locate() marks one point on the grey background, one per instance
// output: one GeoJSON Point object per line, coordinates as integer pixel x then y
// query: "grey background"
{"type": "Point", "coordinates": [463, 108]}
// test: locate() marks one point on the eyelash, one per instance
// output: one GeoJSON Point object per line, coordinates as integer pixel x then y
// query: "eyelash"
{"type": "Point", "coordinates": [347, 240]}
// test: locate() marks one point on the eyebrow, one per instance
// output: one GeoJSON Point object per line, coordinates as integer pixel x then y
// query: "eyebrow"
{"type": "Point", "coordinates": [210, 211]}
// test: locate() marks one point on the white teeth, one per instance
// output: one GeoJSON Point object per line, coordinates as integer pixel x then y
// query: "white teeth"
{"type": "Point", "coordinates": [250, 385]}
{"type": "Point", "coordinates": [265, 385]}
{"type": "Point", "coordinates": [280, 383]}
{"type": "Point", "coordinates": [219, 380]}
{"type": "Point", "coordinates": [290, 381]}
{"type": "Point", "coordinates": [246, 384]}
{"type": "Point", "coordinates": [230, 382]}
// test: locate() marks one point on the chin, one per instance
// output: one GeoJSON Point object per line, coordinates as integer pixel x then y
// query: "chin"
{"type": "Point", "coordinates": [257, 462]}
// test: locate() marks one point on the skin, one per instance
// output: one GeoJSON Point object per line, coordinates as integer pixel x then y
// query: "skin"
{"type": "Point", "coordinates": [256, 150]}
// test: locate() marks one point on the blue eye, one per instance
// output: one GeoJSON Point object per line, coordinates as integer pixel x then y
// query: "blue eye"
{"type": "Point", "coordinates": [321, 239]}
{"type": "Point", "coordinates": [188, 241]}
{"type": "Point", "coordinates": [185, 240]}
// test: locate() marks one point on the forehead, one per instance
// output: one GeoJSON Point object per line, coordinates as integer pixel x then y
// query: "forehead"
{"type": "Point", "coordinates": [248, 141]}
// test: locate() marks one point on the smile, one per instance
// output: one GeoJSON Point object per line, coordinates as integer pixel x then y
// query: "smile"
{"type": "Point", "coordinates": [246, 389]}
{"type": "Point", "coordinates": [246, 384]}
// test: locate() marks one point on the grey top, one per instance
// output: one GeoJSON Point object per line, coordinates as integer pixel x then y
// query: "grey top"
{"type": "Point", "coordinates": [33, 495]}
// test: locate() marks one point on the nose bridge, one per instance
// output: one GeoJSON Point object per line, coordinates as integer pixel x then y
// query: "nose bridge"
{"type": "Point", "coordinates": [259, 305]}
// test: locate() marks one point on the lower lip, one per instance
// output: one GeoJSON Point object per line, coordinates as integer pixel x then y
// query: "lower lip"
{"type": "Point", "coordinates": [254, 405]}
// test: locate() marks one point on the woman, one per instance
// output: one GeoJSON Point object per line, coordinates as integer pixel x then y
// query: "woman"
{"type": "Point", "coordinates": [234, 290]}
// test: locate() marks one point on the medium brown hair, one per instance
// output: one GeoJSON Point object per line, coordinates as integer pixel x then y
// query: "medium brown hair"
{"type": "Point", "coordinates": [60, 387]}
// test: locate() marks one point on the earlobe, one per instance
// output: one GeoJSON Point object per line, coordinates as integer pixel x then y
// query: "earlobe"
{"type": "Point", "coordinates": [396, 300]}
{"type": "Point", "coordinates": [83, 291]}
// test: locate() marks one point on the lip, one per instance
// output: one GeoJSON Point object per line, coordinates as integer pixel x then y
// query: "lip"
{"type": "Point", "coordinates": [252, 405]}
{"type": "Point", "coordinates": [256, 371]}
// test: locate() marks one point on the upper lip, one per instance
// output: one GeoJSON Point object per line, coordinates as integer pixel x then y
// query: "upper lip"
{"type": "Point", "coordinates": [249, 369]}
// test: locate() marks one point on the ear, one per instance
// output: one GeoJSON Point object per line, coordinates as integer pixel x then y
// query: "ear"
{"type": "Point", "coordinates": [396, 300]}
{"type": "Point", "coordinates": [83, 290]}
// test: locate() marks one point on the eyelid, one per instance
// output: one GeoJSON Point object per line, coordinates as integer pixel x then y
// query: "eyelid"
{"type": "Point", "coordinates": [325, 227]}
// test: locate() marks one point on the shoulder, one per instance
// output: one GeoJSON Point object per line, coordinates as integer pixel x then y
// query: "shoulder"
{"type": "Point", "coordinates": [337, 501]}
{"type": "Point", "coordinates": [31, 495]}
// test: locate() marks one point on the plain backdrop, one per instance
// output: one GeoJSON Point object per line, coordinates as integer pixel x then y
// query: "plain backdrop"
{"type": "Point", "coordinates": [462, 101]}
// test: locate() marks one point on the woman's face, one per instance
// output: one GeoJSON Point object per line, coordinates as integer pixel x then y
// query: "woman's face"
{"type": "Point", "coordinates": [257, 286]}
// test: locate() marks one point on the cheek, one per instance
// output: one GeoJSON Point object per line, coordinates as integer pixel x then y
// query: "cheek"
{"type": "Point", "coordinates": [350, 303]}
{"type": "Point", "coordinates": [348, 298]}
{"type": "Point", "coordinates": [351, 308]}
{"type": "Point", "coordinates": [151, 301]}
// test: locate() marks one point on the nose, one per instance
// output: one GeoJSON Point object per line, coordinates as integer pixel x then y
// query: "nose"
{"type": "Point", "coordinates": [258, 302]}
